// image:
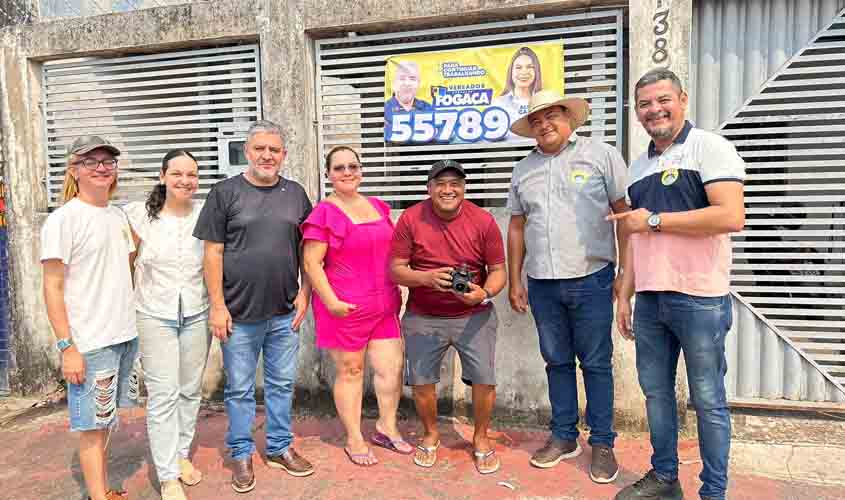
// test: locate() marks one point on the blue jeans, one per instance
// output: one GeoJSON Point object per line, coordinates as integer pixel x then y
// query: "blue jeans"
{"type": "Point", "coordinates": [574, 318]}
{"type": "Point", "coordinates": [240, 362]}
{"type": "Point", "coordinates": [664, 324]}
{"type": "Point", "coordinates": [173, 355]}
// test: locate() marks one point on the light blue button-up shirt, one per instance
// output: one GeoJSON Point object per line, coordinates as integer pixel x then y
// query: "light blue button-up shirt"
{"type": "Point", "coordinates": [565, 198]}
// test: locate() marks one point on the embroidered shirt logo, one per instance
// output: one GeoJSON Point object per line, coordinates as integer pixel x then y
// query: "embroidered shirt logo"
{"type": "Point", "coordinates": [578, 177]}
{"type": "Point", "coordinates": [670, 175]}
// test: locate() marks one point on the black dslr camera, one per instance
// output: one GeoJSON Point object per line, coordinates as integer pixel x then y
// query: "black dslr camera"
{"type": "Point", "coordinates": [461, 278]}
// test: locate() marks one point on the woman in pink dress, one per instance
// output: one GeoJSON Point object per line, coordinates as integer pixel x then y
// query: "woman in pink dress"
{"type": "Point", "coordinates": [356, 305]}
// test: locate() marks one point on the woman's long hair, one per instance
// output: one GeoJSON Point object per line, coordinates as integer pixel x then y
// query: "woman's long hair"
{"type": "Point", "coordinates": [158, 195]}
{"type": "Point", "coordinates": [538, 78]}
{"type": "Point", "coordinates": [70, 186]}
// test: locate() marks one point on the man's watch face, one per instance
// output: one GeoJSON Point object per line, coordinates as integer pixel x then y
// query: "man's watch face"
{"type": "Point", "coordinates": [653, 220]}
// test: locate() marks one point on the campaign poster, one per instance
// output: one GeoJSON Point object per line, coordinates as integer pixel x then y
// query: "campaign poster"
{"type": "Point", "coordinates": [467, 95]}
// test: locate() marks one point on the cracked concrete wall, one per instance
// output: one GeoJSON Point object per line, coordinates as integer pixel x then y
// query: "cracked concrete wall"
{"type": "Point", "coordinates": [31, 344]}
{"type": "Point", "coordinates": [285, 31]}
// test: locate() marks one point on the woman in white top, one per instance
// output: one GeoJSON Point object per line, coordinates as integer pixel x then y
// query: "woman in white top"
{"type": "Point", "coordinates": [172, 310]}
{"type": "Point", "coordinates": [523, 80]}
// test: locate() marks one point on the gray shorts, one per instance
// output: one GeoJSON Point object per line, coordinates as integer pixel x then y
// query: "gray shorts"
{"type": "Point", "coordinates": [427, 338]}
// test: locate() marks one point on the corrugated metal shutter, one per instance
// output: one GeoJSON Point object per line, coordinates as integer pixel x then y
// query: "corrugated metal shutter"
{"type": "Point", "coordinates": [350, 99]}
{"type": "Point", "coordinates": [736, 45]}
{"type": "Point", "coordinates": [782, 107]}
{"type": "Point", "coordinates": [148, 104]}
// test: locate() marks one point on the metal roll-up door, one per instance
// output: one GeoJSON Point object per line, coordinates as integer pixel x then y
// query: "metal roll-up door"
{"type": "Point", "coordinates": [148, 104]}
{"type": "Point", "coordinates": [350, 98]}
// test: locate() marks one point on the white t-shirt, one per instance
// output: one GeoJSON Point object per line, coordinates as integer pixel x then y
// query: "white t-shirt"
{"type": "Point", "coordinates": [168, 270]}
{"type": "Point", "coordinates": [94, 244]}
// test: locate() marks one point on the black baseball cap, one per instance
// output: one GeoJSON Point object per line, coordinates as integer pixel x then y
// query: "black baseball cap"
{"type": "Point", "coordinates": [442, 165]}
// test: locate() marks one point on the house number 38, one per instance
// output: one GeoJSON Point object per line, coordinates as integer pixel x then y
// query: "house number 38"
{"type": "Point", "coordinates": [660, 54]}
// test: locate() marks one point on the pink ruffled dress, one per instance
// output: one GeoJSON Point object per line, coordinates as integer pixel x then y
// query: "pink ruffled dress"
{"type": "Point", "coordinates": [356, 265]}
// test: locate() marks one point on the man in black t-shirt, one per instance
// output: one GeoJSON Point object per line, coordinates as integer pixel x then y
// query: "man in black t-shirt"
{"type": "Point", "coordinates": [250, 225]}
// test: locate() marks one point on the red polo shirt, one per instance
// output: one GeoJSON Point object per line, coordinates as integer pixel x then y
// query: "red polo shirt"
{"type": "Point", "coordinates": [429, 242]}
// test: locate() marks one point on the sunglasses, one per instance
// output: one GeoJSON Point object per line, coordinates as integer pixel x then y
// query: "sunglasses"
{"type": "Point", "coordinates": [352, 168]}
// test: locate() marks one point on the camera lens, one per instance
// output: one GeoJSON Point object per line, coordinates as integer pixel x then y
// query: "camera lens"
{"type": "Point", "coordinates": [460, 287]}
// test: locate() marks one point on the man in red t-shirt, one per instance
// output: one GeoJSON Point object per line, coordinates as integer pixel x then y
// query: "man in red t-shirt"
{"type": "Point", "coordinates": [434, 238]}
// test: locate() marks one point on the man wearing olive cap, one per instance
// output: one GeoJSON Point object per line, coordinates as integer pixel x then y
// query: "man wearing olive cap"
{"type": "Point", "coordinates": [86, 250]}
{"type": "Point", "coordinates": [560, 195]}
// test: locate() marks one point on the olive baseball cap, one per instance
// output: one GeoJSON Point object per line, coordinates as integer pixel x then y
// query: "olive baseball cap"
{"type": "Point", "coordinates": [88, 143]}
{"type": "Point", "coordinates": [442, 165]}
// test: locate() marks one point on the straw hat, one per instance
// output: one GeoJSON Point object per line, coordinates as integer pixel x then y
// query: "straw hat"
{"type": "Point", "coordinates": [577, 107]}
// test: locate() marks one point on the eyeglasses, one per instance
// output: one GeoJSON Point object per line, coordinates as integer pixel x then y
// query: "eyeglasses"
{"type": "Point", "coordinates": [352, 168]}
{"type": "Point", "coordinates": [92, 164]}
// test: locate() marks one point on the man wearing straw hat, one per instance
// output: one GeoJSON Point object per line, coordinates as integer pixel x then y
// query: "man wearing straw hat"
{"type": "Point", "coordinates": [560, 195]}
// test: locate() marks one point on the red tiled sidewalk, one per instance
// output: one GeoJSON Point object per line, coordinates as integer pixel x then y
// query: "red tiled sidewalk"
{"type": "Point", "coordinates": [40, 462]}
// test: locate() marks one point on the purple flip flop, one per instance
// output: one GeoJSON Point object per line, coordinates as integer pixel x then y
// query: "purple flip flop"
{"type": "Point", "coordinates": [398, 445]}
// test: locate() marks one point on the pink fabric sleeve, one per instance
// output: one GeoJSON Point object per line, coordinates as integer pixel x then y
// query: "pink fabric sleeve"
{"type": "Point", "coordinates": [384, 209]}
{"type": "Point", "coordinates": [326, 224]}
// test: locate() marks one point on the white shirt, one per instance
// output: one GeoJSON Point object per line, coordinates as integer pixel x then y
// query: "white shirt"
{"type": "Point", "coordinates": [168, 269]}
{"type": "Point", "coordinates": [94, 244]}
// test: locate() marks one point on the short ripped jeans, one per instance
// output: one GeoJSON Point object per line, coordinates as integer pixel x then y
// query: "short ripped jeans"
{"type": "Point", "coordinates": [110, 383]}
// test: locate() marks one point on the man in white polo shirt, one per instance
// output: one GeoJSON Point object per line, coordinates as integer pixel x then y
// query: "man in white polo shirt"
{"type": "Point", "coordinates": [686, 195]}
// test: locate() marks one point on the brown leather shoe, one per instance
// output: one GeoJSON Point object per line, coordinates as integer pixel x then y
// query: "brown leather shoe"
{"type": "Point", "coordinates": [243, 478]}
{"type": "Point", "coordinates": [554, 451]}
{"type": "Point", "coordinates": [290, 461]}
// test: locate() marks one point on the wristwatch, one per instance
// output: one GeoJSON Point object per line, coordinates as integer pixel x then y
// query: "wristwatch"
{"type": "Point", "coordinates": [487, 299]}
{"type": "Point", "coordinates": [654, 222]}
{"type": "Point", "coordinates": [63, 344]}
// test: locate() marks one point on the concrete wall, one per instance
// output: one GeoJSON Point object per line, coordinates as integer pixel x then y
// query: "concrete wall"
{"type": "Point", "coordinates": [285, 31]}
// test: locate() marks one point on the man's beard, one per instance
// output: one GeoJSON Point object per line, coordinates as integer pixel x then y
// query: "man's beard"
{"type": "Point", "coordinates": [660, 132]}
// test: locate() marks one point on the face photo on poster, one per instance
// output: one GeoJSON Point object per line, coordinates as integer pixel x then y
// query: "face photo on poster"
{"type": "Point", "coordinates": [469, 95]}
